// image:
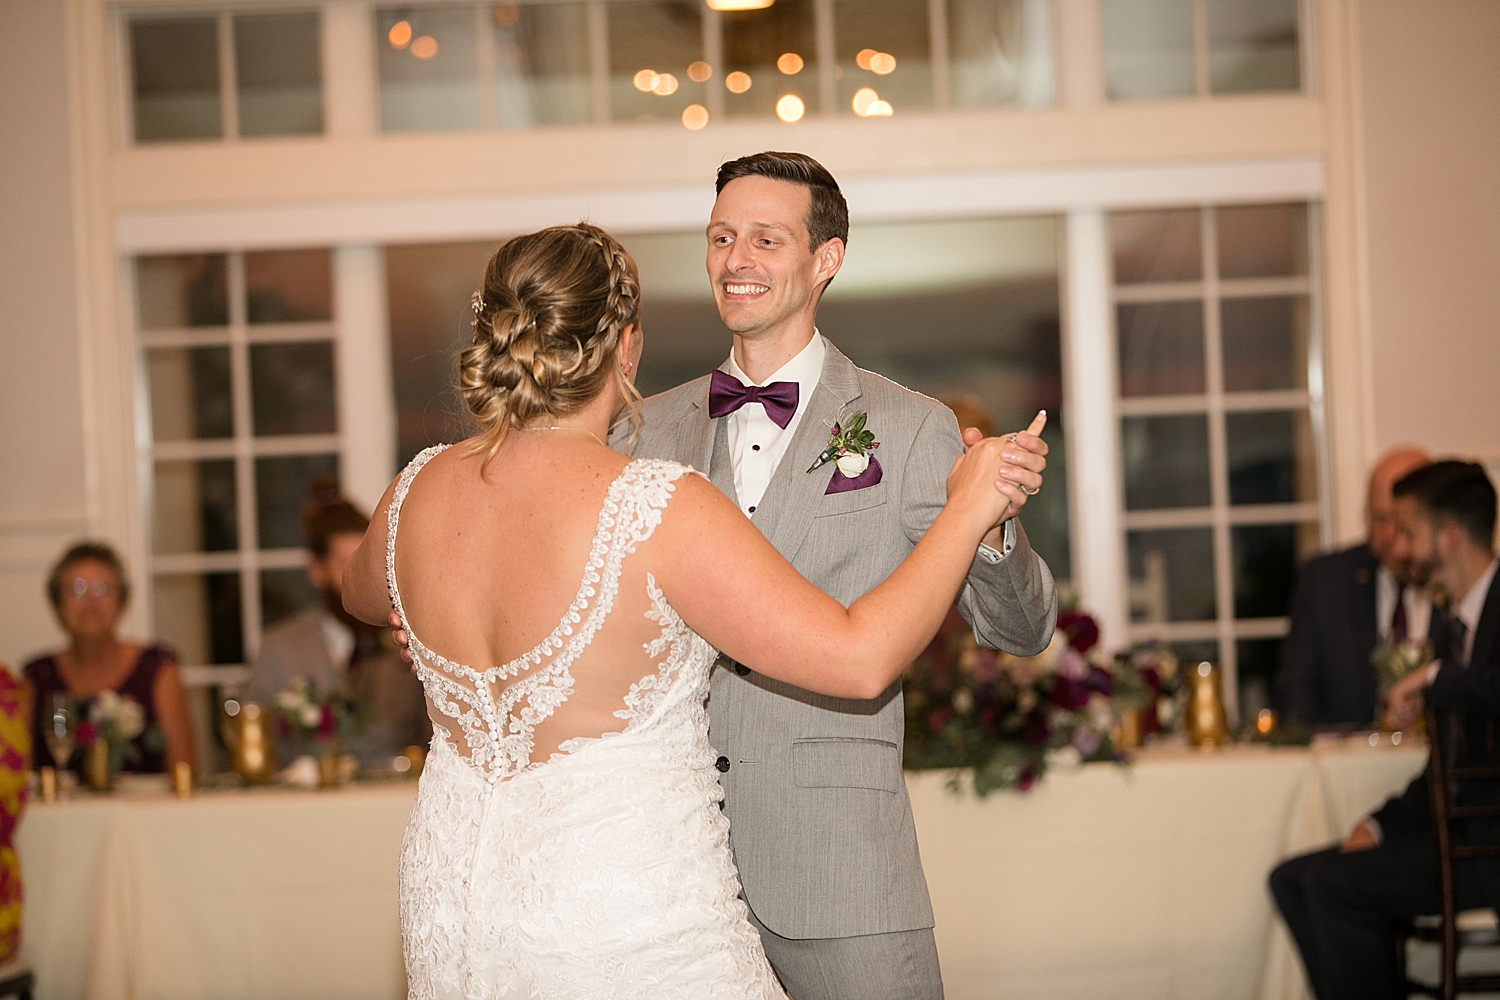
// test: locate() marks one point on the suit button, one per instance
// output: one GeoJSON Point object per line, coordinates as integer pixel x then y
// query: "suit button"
{"type": "Point", "coordinates": [741, 669]}
{"type": "Point", "coordinates": [722, 764]}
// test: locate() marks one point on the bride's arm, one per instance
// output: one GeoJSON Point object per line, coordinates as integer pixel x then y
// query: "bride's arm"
{"type": "Point", "coordinates": [733, 588]}
{"type": "Point", "coordinates": [365, 593]}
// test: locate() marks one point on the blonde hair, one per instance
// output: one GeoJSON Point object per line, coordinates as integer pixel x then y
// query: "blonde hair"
{"type": "Point", "coordinates": [547, 327]}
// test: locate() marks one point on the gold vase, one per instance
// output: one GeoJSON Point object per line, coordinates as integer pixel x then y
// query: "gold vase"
{"type": "Point", "coordinates": [101, 777]}
{"type": "Point", "coordinates": [252, 755]}
{"type": "Point", "coordinates": [1206, 724]}
{"type": "Point", "coordinates": [329, 765]}
{"type": "Point", "coordinates": [1127, 733]}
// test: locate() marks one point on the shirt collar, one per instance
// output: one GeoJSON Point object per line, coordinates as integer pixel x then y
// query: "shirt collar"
{"type": "Point", "coordinates": [805, 368]}
{"type": "Point", "coordinates": [1471, 607]}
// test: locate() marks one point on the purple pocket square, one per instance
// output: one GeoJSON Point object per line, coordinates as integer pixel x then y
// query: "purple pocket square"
{"type": "Point", "coordinates": [841, 483]}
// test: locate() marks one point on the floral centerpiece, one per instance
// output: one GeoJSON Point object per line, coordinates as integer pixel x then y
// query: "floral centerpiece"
{"type": "Point", "coordinates": [1394, 660]}
{"type": "Point", "coordinates": [113, 723]}
{"type": "Point", "coordinates": [328, 717]}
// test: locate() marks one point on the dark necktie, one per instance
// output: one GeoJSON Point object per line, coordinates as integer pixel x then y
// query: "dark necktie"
{"type": "Point", "coordinates": [1398, 620]}
{"type": "Point", "coordinates": [727, 394]}
{"type": "Point", "coordinates": [1458, 635]}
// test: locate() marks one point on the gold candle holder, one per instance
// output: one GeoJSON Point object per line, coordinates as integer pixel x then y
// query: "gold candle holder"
{"type": "Point", "coordinates": [1207, 726]}
{"type": "Point", "coordinates": [182, 779]}
{"type": "Point", "coordinates": [96, 767]}
{"type": "Point", "coordinates": [47, 779]}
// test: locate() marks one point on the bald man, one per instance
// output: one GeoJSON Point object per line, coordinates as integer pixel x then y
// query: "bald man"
{"type": "Point", "coordinates": [1347, 602]}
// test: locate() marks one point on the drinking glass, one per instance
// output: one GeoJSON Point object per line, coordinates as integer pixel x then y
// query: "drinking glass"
{"type": "Point", "coordinates": [62, 730]}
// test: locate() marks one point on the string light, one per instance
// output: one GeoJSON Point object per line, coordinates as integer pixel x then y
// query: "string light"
{"type": "Point", "coordinates": [790, 108]}
{"type": "Point", "coordinates": [425, 47]}
{"type": "Point", "coordinates": [739, 4]}
{"type": "Point", "coordinates": [790, 63]}
{"type": "Point", "coordinates": [666, 85]}
{"type": "Point", "coordinates": [699, 71]}
{"type": "Point", "coordinates": [694, 117]}
{"type": "Point", "coordinates": [862, 60]}
{"type": "Point", "coordinates": [882, 64]}
{"type": "Point", "coordinates": [737, 82]}
{"type": "Point", "coordinates": [399, 35]}
{"type": "Point", "coordinates": [507, 15]}
{"type": "Point", "coordinates": [645, 81]}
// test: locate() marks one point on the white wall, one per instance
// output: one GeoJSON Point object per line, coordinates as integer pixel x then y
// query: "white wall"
{"type": "Point", "coordinates": [1430, 95]}
{"type": "Point", "coordinates": [43, 501]}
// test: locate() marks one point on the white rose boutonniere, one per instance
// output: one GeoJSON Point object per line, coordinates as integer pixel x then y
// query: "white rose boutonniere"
{"type": "Point", "coordinates": [849, 446]}
{"type": "Point", "coordinates": [853, 465]}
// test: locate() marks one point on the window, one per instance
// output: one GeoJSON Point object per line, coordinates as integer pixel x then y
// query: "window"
{"type": "Point", "coordinates": [1187, 48]}
{"type": "Point", "coordinates": [961, 309]}
{"type": "Point", "coordinates": [239, 360]}
{"type": "Point", "coordinates": [543, 63]}
{"type": "Point", "coordinates": [270, 62]}
{"type": "Point", "coordinates": [1214, 323]}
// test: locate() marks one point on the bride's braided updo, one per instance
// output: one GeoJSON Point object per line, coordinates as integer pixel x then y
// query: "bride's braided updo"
{"type": "Point", "coordinates": [547, 327]}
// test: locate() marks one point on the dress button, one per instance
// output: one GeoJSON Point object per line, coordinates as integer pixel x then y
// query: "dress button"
{"type": "Point", "coordinates": [722, 764]}
{"type": "Point", "coordinates": [741, 669]}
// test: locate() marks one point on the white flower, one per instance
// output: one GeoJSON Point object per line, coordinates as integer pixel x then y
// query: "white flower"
{"type": "Point", "coordinates": [289, 700]}
{"type": "Point", "coordinates": [963, 699]}
{"type": "Point", "coordinates": [852, 465]}
{"type": "Point", "coordinates": [310, 715]}
{"type": "Point", "coordinates": [303, 772]}
{"type": "Point", "coordinates": [1067, 756]}
{"type": "Point", "coordinates": [131, 718]}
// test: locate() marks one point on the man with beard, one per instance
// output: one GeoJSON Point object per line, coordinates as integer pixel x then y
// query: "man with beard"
{"type": "Point", "coordinates": [330, 649]}
{"type": "Point", "coordinates": [1343, 904]}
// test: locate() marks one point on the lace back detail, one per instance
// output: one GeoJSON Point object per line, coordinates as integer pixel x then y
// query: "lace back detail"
{"type": "Point", "coordinates": [498, 719]}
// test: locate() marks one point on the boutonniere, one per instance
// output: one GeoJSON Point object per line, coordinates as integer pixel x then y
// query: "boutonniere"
{"type": "Point", "coordinates": [849, 446]}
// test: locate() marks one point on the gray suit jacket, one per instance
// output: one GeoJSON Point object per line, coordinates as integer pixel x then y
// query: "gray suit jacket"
{"type": "Point", "coordinates": [820, 823]}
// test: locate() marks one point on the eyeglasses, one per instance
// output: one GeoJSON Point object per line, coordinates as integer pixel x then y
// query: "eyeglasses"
{"type": "Point", "coordinates": [99, 588]}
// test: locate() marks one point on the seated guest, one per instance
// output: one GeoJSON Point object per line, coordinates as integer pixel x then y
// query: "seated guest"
{"type": "Point", "coordinates": [1342, 904]}
{"type": "Point", "coordinates": [1345, 603]}
{"type": "Point", "coordinates": [330, 649]}
{"type": "Point", "coordinates": [88, 590]}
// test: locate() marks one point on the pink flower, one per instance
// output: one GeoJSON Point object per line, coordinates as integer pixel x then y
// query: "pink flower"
{"type": "Point", "coordinates": [1072, 665]}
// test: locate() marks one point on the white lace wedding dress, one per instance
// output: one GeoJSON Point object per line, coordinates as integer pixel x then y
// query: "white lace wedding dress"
{"type": "Point", "coordinates": [603, 871]}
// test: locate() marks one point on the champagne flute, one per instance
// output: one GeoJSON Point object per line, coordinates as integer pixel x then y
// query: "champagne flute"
{"type": "Point", "coordinates": [61, 730]}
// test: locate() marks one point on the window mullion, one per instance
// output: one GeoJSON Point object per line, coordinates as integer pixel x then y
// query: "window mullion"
{"type": "Point", "coordinates": [599, 60]}
{"type": "Point", "coordinates": [713, 54]}
{"type": "Point", "coordinates": [485, 60]}
{"type": "Point", "coordinates": [229, 98]}
{"type": "Point", "coordinates": [937, 32]}
{"type": "Point", "coordinates": [244, 457]}
{"type": "Point", "coordinates": [828, 91]}
{"type": "Point", "coordinates": [1201, 81]}
{"type": "Point", "coordinates": [1218, 463]}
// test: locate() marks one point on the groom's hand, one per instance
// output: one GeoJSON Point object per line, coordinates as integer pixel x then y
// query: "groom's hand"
{"type": "Point", "coordinates": [1026, 460]}
{"type": "Point", "coordinates": [398, 636]}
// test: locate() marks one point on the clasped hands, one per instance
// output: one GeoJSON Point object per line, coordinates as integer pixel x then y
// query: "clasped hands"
{"type": "Point", "coordinates": [1024, 455]}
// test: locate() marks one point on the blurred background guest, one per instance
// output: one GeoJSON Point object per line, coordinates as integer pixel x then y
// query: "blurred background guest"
{"type": "Point", "coordinates": [1347, 602]}
{"type": "Point", "coordinates": [331, 650]}
{"type": "Point", "coordinates": [88, 590]}
{"type": "Point", "coordinates": [1343, 904]}
{"type": "Point", "coordinates": [15, 749]}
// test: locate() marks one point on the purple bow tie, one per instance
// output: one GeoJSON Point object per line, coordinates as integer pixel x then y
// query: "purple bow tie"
{"type": "Point", "coordinates": [727, 394]}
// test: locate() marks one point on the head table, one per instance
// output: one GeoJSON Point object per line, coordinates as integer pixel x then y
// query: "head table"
{"type": "Point", "coordinates": [1146, 880]}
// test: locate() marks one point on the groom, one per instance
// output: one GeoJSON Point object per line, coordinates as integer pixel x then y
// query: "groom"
{"type": "Point", "coordinates": [820, 823]}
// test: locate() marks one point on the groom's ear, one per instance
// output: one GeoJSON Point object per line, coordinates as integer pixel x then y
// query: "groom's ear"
{"type": "Point", "coordinates": [830, 257]}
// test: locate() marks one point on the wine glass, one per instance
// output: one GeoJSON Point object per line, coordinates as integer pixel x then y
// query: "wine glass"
{"type": "Point", "coordinates": [61, 730]}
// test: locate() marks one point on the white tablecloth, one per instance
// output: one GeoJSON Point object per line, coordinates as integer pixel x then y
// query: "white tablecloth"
{"type": "Point", "coordinates": [1146, 881]}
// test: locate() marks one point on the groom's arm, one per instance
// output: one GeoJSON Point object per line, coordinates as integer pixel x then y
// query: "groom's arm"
{"type": "Point", "coordinates": [1009, 598]}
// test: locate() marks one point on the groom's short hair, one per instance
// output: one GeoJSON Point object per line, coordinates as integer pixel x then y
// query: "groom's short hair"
{"type": "Point", "coordinates": [827, 212]}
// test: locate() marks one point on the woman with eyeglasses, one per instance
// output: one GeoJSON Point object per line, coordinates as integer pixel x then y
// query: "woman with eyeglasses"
{"type": "Point", "coordinates": [88, 590]}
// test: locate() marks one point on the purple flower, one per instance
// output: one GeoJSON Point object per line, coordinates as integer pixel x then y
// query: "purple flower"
{"type": "Point", "coordinates": [1072, 665]}
{"type": "Point", "coordinates": [1086, 741]}
{"type": "Point", "coordinates": [1082, 630]}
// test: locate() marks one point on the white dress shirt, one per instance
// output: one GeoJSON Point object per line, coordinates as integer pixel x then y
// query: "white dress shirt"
{"type": "Point", "coordinates": [1418, 607]}
{"type": "Point", "coordinates": [756, 443]}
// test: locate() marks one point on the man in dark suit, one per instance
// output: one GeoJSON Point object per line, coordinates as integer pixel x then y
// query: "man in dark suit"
{"type": "Point", "coordinates": [1346, 602]}
{"type": "Point", "coordinates": [1342, 904]}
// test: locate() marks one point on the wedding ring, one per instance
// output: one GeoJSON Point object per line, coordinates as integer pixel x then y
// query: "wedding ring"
{"type": "Point", "coordinates": [1030, 493]}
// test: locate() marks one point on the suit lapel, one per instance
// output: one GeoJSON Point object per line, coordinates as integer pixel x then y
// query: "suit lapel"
{"type": "Point", "coordinates": [721, 465]}
{"type": "Point", "coordinates": [1487, 635]}
{"type": "Point", "coordinates": [786, 511]}
{"type": "Point", "coordinates": [1366, 597]}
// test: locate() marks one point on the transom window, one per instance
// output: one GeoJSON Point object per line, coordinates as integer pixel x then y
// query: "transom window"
{"type": "Point", "coordinates": [1188, 48]}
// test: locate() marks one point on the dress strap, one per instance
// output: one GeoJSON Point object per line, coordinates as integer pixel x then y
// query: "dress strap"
{"type": "Point", "coordinates": [393, 517]}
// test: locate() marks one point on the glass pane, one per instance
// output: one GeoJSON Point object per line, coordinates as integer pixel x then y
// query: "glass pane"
{"type": "Point", "coordinates": [1171, 575]}
{"type": "Point", "coordinates": [1256, 662]}
{"type": "Point", "coordinates": [776, 47]}
{"type": "Point", "coordinates": [999, 52]}
{"type": "Point", "coordinates": [185, 290]}
{"type": "Point", "coordinates": [198, 614]}
{"type": "Point", "coordinates": [189, 393]}
{"type": "Point", "coordinates": [1271, 458]}
{"type": "Point", "coordinates": [176, 69]}
{"type": "Point", "coordinates": [283, 593]}
{"type": "Point", "coordinates": [1265, 343]}
{"type": "Point", "coordinates": [429, 68]}
{"type": "Point", "coordinates": [193, 507]}
{"type": "Point", "coordinates": [651, 46]}
{"type": "Point", "coordinates": [292, 388]}
{"type": "Point", "coordinates": [542, 72]}
{"type": "Point", "coordinates": [882, 47]}
{"type": "Point", "coordinates": [1161, 348]}
{"type": "Point", "coordinates": [279, 68]}
{"type": "Point", "coordinates": [1148, 48]}
{"type": "Point", "coordinates": [1265, 566]}
{"type": "Point", "coordinates": [281, 489]}
{"type": "Point", "coordinates": [288, 286]}
{"type": "Point", "coordinates": [1252, 46]}
{"type": "Point", "coordinates": [1196, 651]}
{"type": "Point", "coordinates": [1156, 246]}
{"type": "Point", "coordinates": [1166, 461]}
{"type": "Point", "coordinates": [1261, 241]}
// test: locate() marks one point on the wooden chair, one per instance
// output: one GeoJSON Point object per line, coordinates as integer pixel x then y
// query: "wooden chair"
{"type": "Point", "coordinates": [1452, 931]}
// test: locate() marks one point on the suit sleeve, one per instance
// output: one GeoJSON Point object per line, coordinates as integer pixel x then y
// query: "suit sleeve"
{"type": "Point", "coordinates": [1300, 699]}
{"type": "Point", "coordinates": [1011, 602]}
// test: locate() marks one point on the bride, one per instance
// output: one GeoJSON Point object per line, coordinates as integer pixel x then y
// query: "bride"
{"type": "Point", "coordinates": [564, 605]}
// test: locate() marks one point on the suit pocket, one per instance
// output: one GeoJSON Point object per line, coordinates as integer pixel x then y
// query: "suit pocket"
{"type": "Point", "coordinates": [847, 503]}
{"type": "Point", "coordinates": [835, 762]}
